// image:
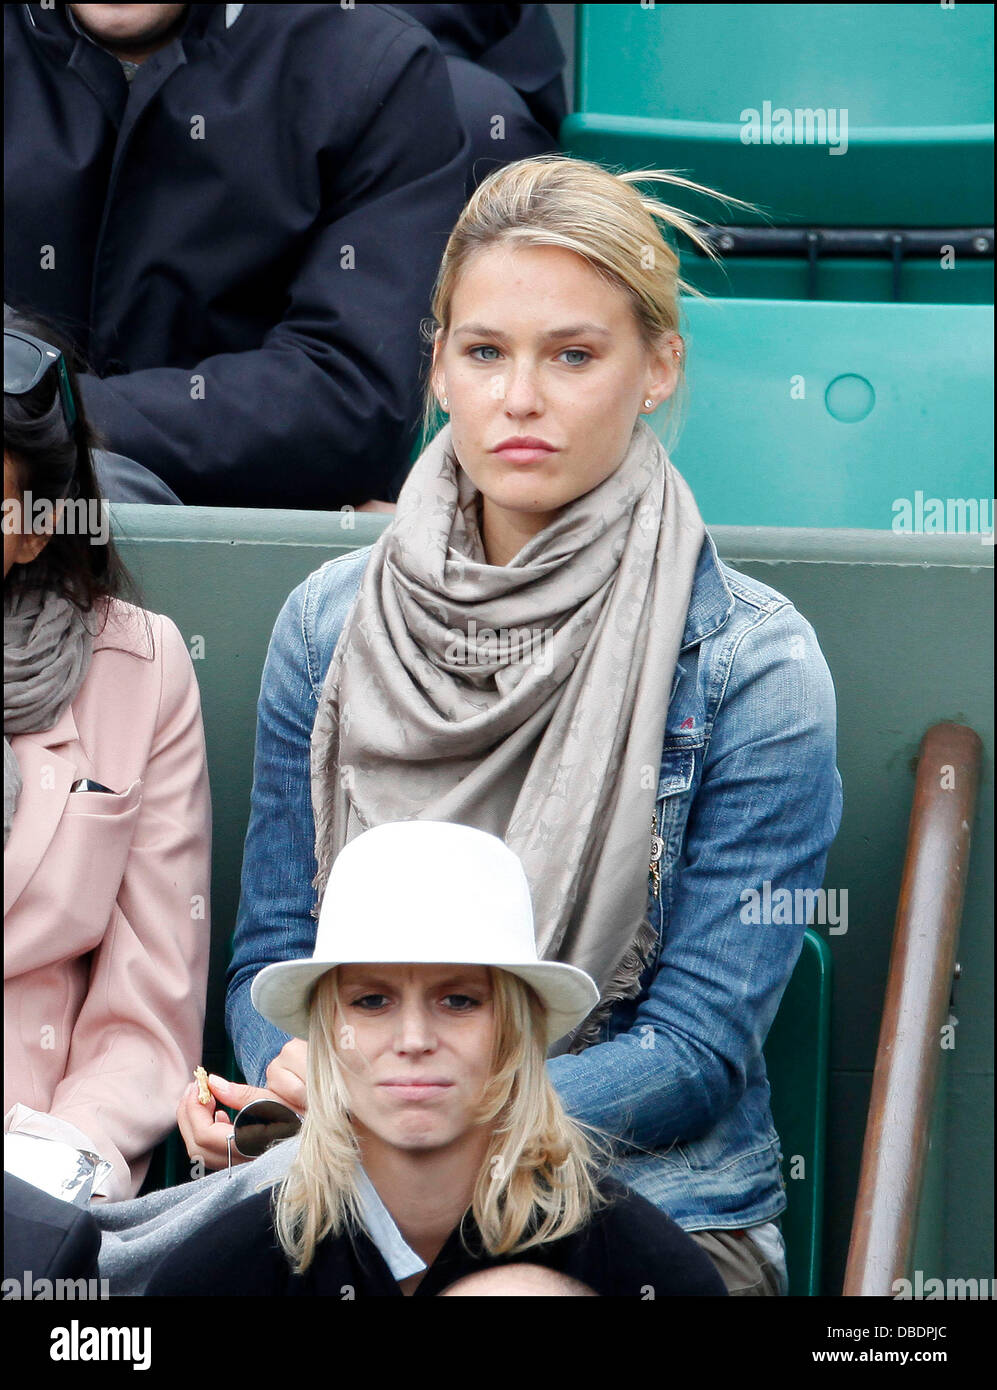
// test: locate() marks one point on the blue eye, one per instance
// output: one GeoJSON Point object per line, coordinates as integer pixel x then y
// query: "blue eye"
{"type": "Point", "coordinates": [461, 1003]}
{"type": "Point", "coordinates": [487, 347]}
{"type": "Point", "coordinates": [370, 1002]}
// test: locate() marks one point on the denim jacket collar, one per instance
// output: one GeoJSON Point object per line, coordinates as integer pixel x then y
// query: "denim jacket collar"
{"type": "Point", "coordinates": [711, 601]}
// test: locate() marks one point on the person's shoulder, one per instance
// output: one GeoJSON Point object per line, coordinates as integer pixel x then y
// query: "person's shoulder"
{"type": "Point", "coordinates": [311, 619]}
{"type": "Point", "coordinates": [325, 599]}
{"type": "Point", "coordinates": [162, 656]}
{"type": "Point", "coordinates": [347, 31]}
{"type": "Point", "coordinates": [237, 1253]}
{"type": "Point", "coordinates": [758, 598]}
{"type": "Point", "coordinates": [766, 632]}
{"type": "Point", "coordinates": [648, 1249]}
{"type": "Point", "coordinates": [337, 578]}
{"type": "Point", "coordinates": [124, 627]}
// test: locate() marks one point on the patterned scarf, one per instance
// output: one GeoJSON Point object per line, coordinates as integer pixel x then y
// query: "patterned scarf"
{"type": "Point", "coordinates": [528, 700]}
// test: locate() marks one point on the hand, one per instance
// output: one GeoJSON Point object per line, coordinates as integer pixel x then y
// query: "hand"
{"type": "Point", "coordinates": [287, 1074]}
{"type": "Point", "coordinates": [206, 1128]}
{"type": "Point", "coordinates": [374, 506]}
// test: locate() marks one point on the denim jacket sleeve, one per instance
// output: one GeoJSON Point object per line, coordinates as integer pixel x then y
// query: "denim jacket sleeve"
{"type": "Point", "coordinates": [274, 921]}
{"type": "Point", "coordinates": [767, 808]}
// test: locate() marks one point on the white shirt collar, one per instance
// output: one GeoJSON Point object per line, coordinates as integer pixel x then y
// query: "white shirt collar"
{"type": "Point", "coordinates": [380, 1225]}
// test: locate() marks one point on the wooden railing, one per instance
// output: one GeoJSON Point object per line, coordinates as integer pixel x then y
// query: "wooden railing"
{"type": "Point", "coordinates": [918, 990]}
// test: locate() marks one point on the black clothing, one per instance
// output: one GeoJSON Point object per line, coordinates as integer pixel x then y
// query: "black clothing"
{"type": "Point", "coordinates": [518, 43]}
{"type": "Point", "coordinates": [629, 1249]}
{"type": "Point", "coordinates": [241, 241]}
{"type": "Point", "coordinates": [505, 64]}
{"type": "Point", "coordinates": [44, 1236]}
{"type": "Point", "coordinates": [123, 480]}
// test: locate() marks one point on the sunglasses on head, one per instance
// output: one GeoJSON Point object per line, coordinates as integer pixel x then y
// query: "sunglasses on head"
{"type": "Point", "coordinates": [260, 1124]}
{"type": "Point", "coordinates": [27, 361]}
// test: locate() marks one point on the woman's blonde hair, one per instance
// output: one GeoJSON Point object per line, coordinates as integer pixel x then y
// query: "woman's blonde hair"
{"type": "Point", "coordinates": [537, 1182]}
{"type": "Point", "coordinates": [553, 200]}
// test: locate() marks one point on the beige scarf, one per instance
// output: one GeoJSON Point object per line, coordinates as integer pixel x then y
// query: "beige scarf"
{"type": "Point", "coordinates": [528, 700]}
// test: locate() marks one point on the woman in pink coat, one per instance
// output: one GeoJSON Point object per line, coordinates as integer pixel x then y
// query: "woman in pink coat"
{"type": "Point", "coordinates": [107, 817]}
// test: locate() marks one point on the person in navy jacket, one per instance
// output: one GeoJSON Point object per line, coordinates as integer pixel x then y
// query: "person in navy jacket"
{"type": "Point", "coordinates": [504, 61]}
{"type": "Point", "coordinates": [236, 216]}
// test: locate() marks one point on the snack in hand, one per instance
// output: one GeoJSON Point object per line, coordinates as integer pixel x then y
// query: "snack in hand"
{"type": "Point", "coordinates": [204, 1095]}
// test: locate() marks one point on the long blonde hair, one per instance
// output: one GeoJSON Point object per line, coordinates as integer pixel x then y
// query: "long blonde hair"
{"type": "Point", "coordinates": [553, 200]}
{"type": "Point", "coordinates": [537, 1182]}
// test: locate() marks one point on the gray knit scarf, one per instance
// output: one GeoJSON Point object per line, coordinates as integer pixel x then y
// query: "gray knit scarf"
{"type": "Point", "coordinates": [47, 646]}
{"type": "Point", "coordinates": [528, 700]}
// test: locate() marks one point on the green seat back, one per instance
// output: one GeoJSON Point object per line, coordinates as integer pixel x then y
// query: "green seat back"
{"type": "Point", "coordinates": [672, 86]}
{"type": "Point", "coordinates": [797, 1057]}
{"type": "Point", "coordinates": [826, 415]}
{"type": "Point", "coordinates": [668, 84]}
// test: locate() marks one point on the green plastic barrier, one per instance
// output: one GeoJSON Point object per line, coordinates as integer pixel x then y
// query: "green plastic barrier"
{"type": "Point", "coordinates": [906, 625]}
{"type": "Point", "coordinates": [830, 415]}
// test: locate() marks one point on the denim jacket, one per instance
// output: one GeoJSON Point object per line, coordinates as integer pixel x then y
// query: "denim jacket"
{"type": "Point", "coordinates": [748, 792]}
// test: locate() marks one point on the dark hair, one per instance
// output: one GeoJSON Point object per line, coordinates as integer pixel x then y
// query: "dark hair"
{"type": "Point", "coordinates": [52, 462]}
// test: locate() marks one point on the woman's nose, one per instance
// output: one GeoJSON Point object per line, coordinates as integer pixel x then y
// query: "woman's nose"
{"type": "Point", "coordinates": [522, 391]}
{"type": "Point", "coordinates": [415, 1032]}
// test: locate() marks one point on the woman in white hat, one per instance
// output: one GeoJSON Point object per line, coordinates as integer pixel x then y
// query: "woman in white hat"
{"type": "Point", "coordinates": [434, 1145]}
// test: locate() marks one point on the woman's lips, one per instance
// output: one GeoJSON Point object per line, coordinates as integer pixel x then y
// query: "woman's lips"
{"type": "Point", "coordinates": [416, 1090]}
{"type": "Point", "coordinates": [524, 454]}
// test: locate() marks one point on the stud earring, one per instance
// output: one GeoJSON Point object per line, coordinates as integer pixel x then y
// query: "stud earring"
{"type": "Point", "coordinates": [648, 404]}
{"type": "Point", "coordinates": [444, 402]}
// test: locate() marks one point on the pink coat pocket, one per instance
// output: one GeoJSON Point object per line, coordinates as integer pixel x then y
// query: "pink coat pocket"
{"type": "Point", "coordinates": [78, 882]}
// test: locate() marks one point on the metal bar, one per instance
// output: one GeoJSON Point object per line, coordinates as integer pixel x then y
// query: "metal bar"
{"type": "Point", "coordinates": [813, 252]}
{"type": "Point", "coordinates": [918, 989]}
{"type": "Point", "coordinates": [897, 241]}
{"type": "Point", "coordinates": [918, 243]}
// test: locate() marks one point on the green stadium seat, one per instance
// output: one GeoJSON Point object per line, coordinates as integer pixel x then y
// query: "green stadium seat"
{"type": "Point", "coordinates": [672, 86]}
{"type": "Point", "coordinates": [797, 1058]}
{"type": "Point", "coordinates": [827, 414]}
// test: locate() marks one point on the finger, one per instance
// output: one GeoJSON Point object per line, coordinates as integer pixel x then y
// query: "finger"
{"type": "Point", "coordinates": [190, 1112]}
{"type": "Point", "coordinates": [293, 1056]}
{"type": "Point", "coordinates": [288, 1087]}
{"type": "Point", "coordinates": [233, 1093]}
{"type": "Point", "coordinates": [202, 1138]}
{"type": "Point", "coordinates": [184, 1100]}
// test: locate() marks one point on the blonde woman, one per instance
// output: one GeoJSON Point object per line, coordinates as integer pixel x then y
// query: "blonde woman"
{"type": "Point", "coordinates": [434, 1147]}
{"type": "Point", "coordinates": [544, 644]}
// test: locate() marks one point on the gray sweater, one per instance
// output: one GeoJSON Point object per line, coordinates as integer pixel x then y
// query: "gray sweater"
{"type": "Point", "coordinates": [136, 1235]}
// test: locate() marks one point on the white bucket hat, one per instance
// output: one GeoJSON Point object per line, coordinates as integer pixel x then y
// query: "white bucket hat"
{"type": "Point", "coordinates": [414, 892]}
